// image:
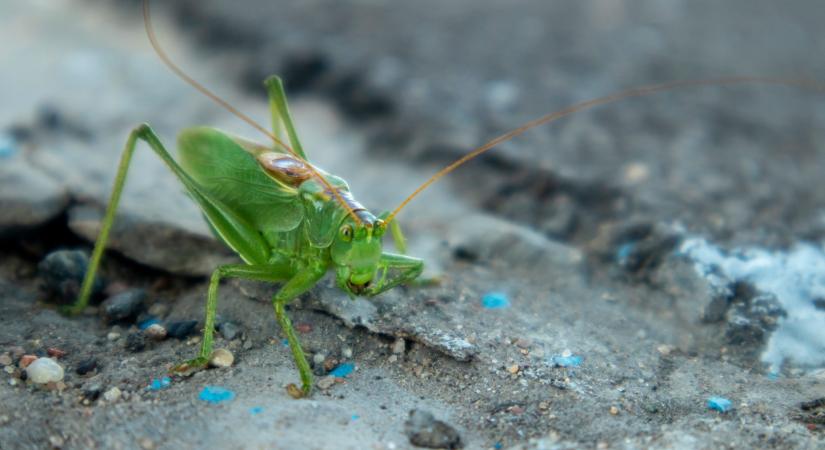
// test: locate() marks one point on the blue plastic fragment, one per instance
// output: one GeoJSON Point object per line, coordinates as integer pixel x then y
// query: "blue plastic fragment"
{"type": "Point", "coordinates": [720, 404]}
{"type": "Point", "coordinates": [8, 146]}
{"type": "Point", "coordinates": [159, 383]}
{"type": "Point", "coordinates": [566, 361]}
{"type": "Point", "coordinates": [355, 417]}
{"type": "Point", "coordinates": [624, 251]}
{"type": "Point", "coordinates": [498, 445]}
{"type": "Point", "coordinates": [255, 410]}
{"type": "Point", "coordinates": [285, 342]}
{"type": "Point", "coordinates": [343, 370]}
{"type": "Point", "coordinates": [495, 300]}
{"type": "Point", "coordinates": [148, 323]}
{"type": "Point", "coordinates": [216, 394]}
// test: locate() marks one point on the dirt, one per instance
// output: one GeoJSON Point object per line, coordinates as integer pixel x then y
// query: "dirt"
{"type": "Point", "coordinates": [616, 331]}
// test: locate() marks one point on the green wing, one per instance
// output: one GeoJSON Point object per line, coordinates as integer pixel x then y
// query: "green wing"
{"type": "Point", "coordinates": [232, 175]}
{"type": "Point", "coordinates": [323, 212]}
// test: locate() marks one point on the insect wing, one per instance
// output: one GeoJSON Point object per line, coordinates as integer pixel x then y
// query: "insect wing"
{"type": "Point", "coordinates": [229, 173]}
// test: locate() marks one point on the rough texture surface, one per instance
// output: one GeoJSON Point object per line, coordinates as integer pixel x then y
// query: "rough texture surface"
{"type": "Point", "coordinates": [614, 336]}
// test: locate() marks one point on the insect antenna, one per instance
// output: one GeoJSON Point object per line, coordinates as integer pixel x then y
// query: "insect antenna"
{"type": "Point", "coordinates": [629, 93]}
{"type": "Point", "coordinates": [150, 32]}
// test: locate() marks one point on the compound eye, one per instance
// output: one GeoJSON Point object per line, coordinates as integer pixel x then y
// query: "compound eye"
{"type": "Point", "coordinates": [346, 233]}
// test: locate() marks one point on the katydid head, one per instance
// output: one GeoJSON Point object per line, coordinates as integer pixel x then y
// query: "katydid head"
{"type": "Point", "coordinates": [356, 253]}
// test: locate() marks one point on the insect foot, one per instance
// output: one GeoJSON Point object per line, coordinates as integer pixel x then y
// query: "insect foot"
{"type": "Point", "coordinates": [190, 367]}
{"type": "Point", "coordinates": [297, 393]}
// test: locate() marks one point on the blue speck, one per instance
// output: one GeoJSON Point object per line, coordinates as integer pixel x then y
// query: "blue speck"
{"type": "Point", "coordinates": [255, 410]}
{"type": "Point", "coordinates": [8, 146]}
{"type": "Point", "coordinates": [216, 394]}
{"type": "Point", "coordinates": [355, 417]}
{"type": "Point", "coordinates": [566, 361]}
{"type": "Point", "coordinates": [343, 370]}
{"type": "Point", "coordinates": [498, 445]}
{"type": "Point", "coordinates": [148, 323]}
{"type": "Point", "coordinates": [495, 300]}
{"type": "Point", "coordinates": [285, 342]}
{"type": "Point", "coordinates": [159, 383]}
{"type": "Point", "coordinates": [720, 404]}
{"type": "Point", "coordinates": [624, 251]}
{"type": "Point", "coordinates": [773, 376]}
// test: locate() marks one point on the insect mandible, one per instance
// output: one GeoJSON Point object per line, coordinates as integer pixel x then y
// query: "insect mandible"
{"type": "Point", "coordinates": [290, 221]}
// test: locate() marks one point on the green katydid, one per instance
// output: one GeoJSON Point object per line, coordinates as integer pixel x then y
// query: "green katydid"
{"type": "Point", "coordinates": [289, 221]}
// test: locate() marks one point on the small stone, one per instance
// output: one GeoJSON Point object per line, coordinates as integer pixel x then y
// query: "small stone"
{"type": "Point", "coordinates": [55, 352]}
{"type": "Point", "coordinates": [17, 352]}
{"type": "Point", "coordinates": [523, 343]}
{"type": "Point", "coordinates": [5, 359]}
{"type": "Point", "coordinates": [112, 395]}
{"type": "Point", "coordinates": [346, 353]}
{"type": "Point", "coordinates": [146, 444]}
{"type": "Point", "coordinates": [56, 441]}
{"type": "Point", "coordinates": [126, 305]}
{"type": "Point", "coordinates": [318, 358]}
{"type": "Point", "coordinates": [614, 411]}
{"type": "Point", "coordinates": [86, 366]}
{"type": "Point", "coordinates": [303, 327]}
{"type": "Point", "coordinates": [136, 342]}
{"type": "Point", "coordinates": [423, 430]}
{"type": "Point", "coordinates": [180, 329]}
{"type": "Point", "coordinates": [399, 346]}
{"type": "Point", "coordinates": [158, 309]}
{"type": "Point", "coordinates": [664, 349]}
{"type": "Point", "coordinates": [91, 392]}
{"type": "Point", "coordinates": [330, 363]}
{"type": "Point", "coordinates": [544, 406]}
{"type": "Point", "coordinates": [155, 332]}
{"type": "Point", "coordinates": [26, 360]}
{"type": "Point", "coordinates": [393, 358]}
{"type": "Point", "coordinates": [221, 357]}
{"type": "Point", "coordinates": [62, 272]}
{"type": "Point", "coordinates": [513, 369]}
{"type": "Point", "coordinates": [44, 370]}
{"type": "Point", "coordinates": [113, 336]}
{"type": "Point", "coordinates": [326, 383]}
{"type": "Point", "coordinates": [229, 330]}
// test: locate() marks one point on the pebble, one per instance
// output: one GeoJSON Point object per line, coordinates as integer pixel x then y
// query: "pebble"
{"type": "Point", "coordinates": [664, 349]}
{"type": "Point", "coordinates": [326, 382]}
{"type": "Point", "coordinates": [125, 305]}
{"type": "Point", "coordinates": [155, 332]}
{"type": "Point", "coordinates": [229, 330]}
{"type": "Point", "coordinates": [136, 342]}
{"type": "Point", "coordinates": [523, 343]}
{"type": "Point", "coordinates": [318, 358]}
{"type": "Point", "coordinates": [180, 329]}
{"type": "Point", "coordinates": [5, 359]}
{"type": "Point", "coordinates": [113, 336]}
{"type": "Point", "coordinates": [423, 430]}
{"type": "Point", "coordinates": [62, 272]}
{"type": "Point", "coordinates": [56, 441]}
{"type": "Point", "coordinates": [158, 309]}
{"type": "Point", "coordinates": [221, 357]}
{"type": "Point", "coordinates": [346, 353]}
{"type": "Point", "coordinates": [55, 352]}
{"type": "Point", "coordinates": [112, 395]}
{"type": "Point", "coordinates": [614, 411]}
{"type": "Point", "coordinates": [86, 366]}
{"type": "Point", "coordinates": [399, 346]}
{"type": "Point", "coordinates": [44, 370]}
{"type": "Point", "coordinates": [513, 369]}
{"type": "Point", "coordinates": [303, 328]}
{"type": "Point", "coordinates": [26, 360]}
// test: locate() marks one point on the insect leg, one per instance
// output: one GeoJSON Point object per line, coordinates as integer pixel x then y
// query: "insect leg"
{"type": "Point", "coordinates": [281, 119]}
{"type": "Point", "coordinates": [246, 242]}
{"type": "Point", "coordinates": [394, 270]}
{"type": "Point", "coordinates": [272, 273]}
{"type": "Point", "coordinates": [296, 286]}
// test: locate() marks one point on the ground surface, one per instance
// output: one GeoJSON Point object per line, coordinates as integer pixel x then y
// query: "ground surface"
{"type": "Point", "coordinates": [582, 224]}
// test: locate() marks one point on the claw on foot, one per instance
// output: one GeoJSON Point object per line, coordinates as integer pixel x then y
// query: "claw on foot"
{"type": "Point", "coordinates": [295, 392]}
{"type": "Point", "coordinates": [191, 366]}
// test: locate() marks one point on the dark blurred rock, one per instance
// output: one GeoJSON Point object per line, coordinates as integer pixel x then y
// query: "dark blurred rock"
{"type": "Point", "coordinates": [86, 366]}
{"type": "Point", "coordinates": [136, 342]}
{"type": "Point", "coordinates": [180, 329]}
{"type": "Point", "coordinates": [424, 430]}
{"type": "Point", "coordinates": [229, 330]}
{"type": "Point", "coordinates": [62, 273]}
{"type": "Point", "coordinates": [126, 305]}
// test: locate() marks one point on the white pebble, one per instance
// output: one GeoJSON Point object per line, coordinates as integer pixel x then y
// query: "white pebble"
{"type": "Point", "coordinates": [346, 353]}
{"type": "Point", "coordinates": [221, 358]}
{"type": "Point", "coordinates": [113, 336]}
{"type": "Point", "coordinates": [155, 332]}
{"type": "Point", "coordinates": [399, 346]}
{"type": "Point", "coordinates": [319, 358]}
{"type": "Point", "coordinates": [112, 394]}
{"type": "Point", "coordinates": [326, 383]}
{"type": "Point", "coordinates": [44, 370]}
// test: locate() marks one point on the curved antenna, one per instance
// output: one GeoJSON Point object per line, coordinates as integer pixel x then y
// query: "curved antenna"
{"type": "Point", "coordinates": [150, 32]}
{"type": "Point", "coordinates": [634, 92]}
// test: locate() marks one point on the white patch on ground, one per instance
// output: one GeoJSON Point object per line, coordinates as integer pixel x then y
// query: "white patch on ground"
{"type": "Point", "coordinates": [795, 277]}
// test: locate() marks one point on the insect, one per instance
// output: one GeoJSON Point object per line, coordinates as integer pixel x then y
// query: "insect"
{"type": "Point", "coordinates": [288, 220]}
